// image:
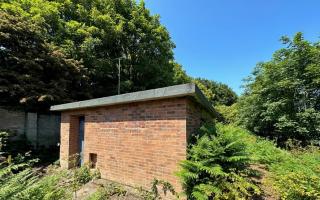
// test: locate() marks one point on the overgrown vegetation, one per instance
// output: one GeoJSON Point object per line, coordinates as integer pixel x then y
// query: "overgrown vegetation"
{"type": "Point", "coordinates": [282, 98]}
{"type": "Point", "coordinates": [61, 51]}
{"type": "Point", "coordinates": [293, 174]}
{"type": "Point", "coordinates": [217, 167]}
{"type": "Point", "coordinates": [33, 72]}
{"type": "Point", "coordinates": [49, 49]}
{"type": "Point", "coordinates": [220, 166]}
{"type": "Point", "coordinates": [217, 93]}
{"type": "Point", "coordinates": [19, 179]}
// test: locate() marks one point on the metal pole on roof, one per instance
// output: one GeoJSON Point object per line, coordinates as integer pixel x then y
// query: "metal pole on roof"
{"type": "Point", "coordinates": [119, 71]}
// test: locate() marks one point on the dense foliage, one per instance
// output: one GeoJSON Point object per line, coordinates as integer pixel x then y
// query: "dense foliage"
{"type": "Point", "coordinates": [20, 179]}
{"type": "Point", "coordinates": [229, 114]}
{"type": "Point", "coordinates": [30, 183]}
{"type": "Point", "coordinates": [75, 50]}
{"type": "Point", "coordinates": [97, 32]}
{"type": "Point", "coordinates": [227, 160]}
{"type": "Point", "coordinates": [293, 175]}
{"type": "Point", "coordinates": [216, 167]}
{"type": "Point", "coordinates": [282, 99]}
{"type": "Point", "coordinates": [217, 93]}
{"type": "Point", "coordinates": [54, 51]}
{"type": "Point", "coordinates": [33, 72]}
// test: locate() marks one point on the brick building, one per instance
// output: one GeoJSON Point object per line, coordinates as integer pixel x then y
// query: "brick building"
{"type": "Point", "coordinates": [136, 137]}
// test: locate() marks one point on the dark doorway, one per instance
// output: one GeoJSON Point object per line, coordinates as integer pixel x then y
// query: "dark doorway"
{"type": "Point", "coordinates": [81, 139]}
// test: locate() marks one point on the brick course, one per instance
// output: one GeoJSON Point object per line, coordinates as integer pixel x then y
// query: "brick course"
{"type": "Point", "coordinates": [134, 142]}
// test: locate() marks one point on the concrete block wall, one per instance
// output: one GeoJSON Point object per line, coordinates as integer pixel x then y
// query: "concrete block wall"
{"type": "Point", "coordinates": [48, 129]}
{"type": "Point", "coordinates": [40, 129]}
{"type": "Point", "coordinates": [12, 120]}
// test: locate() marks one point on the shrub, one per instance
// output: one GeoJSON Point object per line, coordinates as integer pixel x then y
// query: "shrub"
{"type": "Point", "coordinates": [166, 186]}
{"type": "Point", "coordinates": [217, 166]}
{"type": "Point", "coordinates": [265, 151]}
{"type": "Point", "coordinates": [82, 175]}
{"type": "Point", "coordinates": [154, 193]}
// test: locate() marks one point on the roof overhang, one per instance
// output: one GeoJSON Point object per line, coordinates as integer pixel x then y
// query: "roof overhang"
{"type": "Point", "coordinates": [183, 90]}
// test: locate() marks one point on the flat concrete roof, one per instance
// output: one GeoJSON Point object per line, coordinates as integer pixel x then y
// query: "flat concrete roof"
{"type": "Point", "coordinates": [189, 89]}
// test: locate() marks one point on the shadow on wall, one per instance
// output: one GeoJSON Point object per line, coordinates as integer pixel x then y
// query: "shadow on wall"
{"type": "Point", "coordinates": [41, 130]}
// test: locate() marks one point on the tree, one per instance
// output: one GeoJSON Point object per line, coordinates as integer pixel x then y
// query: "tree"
{"type": "Point", "coordinates": [34, 73]}
{"type": "Point", "coordinates": [229, 114]}
{"type": "Point", "coordinates": [97, 32]}
{"type": "Point", "coordinates": [282, 98]}
{"type": "Point", "coordinates": [217, 93]}
{"type": "Point", "coordinates": [180, 76]}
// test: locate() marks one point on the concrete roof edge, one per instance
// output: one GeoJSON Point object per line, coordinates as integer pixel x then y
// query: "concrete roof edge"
{"type": "Point", "coordinates": [189, 89]}
{"type": "Point", "coordinates": [146, 95]}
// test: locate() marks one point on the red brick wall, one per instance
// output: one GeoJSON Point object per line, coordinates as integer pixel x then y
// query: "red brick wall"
{"type": "Point", "coordinates": [135, 142]}
{"type": "Point", "coordinates": [68, 139]}
{"type": "Point", "coordinates": [196, 116]}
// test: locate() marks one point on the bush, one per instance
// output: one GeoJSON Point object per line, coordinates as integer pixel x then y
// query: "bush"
{"type": "Point", "coordinates": [82, 175]}
{"type": "Point", "coordinates": [217, 166]}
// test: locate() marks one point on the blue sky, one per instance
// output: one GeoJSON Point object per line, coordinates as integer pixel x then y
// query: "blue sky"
{"type": "Point", "coordinates": [223, 40]}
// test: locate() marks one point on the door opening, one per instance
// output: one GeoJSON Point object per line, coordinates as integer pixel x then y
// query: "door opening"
{"type": "Point", "coordinates": [81, 139]}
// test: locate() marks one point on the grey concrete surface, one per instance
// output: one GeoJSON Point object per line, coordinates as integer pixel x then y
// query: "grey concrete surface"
{"type": "Point", "coordinates": [39, 129]}
{"type": "Point", "coordinates": [189, 89]}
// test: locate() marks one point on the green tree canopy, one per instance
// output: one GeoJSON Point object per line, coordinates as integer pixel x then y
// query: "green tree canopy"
{"type": "Point", "coordinates": [282, 98]}
{"type": "Point", "coordinates": [217, 93]}
{"type": "Point", "coordinates": [32, 72]}
{"type": "Point", "coordinates": [96, 32]}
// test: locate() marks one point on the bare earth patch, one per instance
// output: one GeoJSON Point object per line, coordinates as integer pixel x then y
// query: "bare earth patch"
{"type": "Point", "coordinates": [268, 192]}
{"type": "Point", "coordinates": [90, 188]}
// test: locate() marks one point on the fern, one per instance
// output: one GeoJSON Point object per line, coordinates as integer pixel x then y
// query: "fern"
{"type": "Point", "coordinates": [17, 183]}
{"type": "Point", "coordinates": [216, 167]}
{"type": "Point", "coordinates": [45, 189]}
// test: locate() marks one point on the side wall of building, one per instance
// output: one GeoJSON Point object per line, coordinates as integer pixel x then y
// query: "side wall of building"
{"type": "Point", "coordinates": [134, 143]}
{"type": "Point", "coordinates": [196, 116]}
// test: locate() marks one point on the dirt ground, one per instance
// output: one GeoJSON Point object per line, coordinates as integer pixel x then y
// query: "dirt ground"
{"type": "Point", "coordinates": [91, 187]}
{"type": "Point", "coordinates": [267, 191]}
